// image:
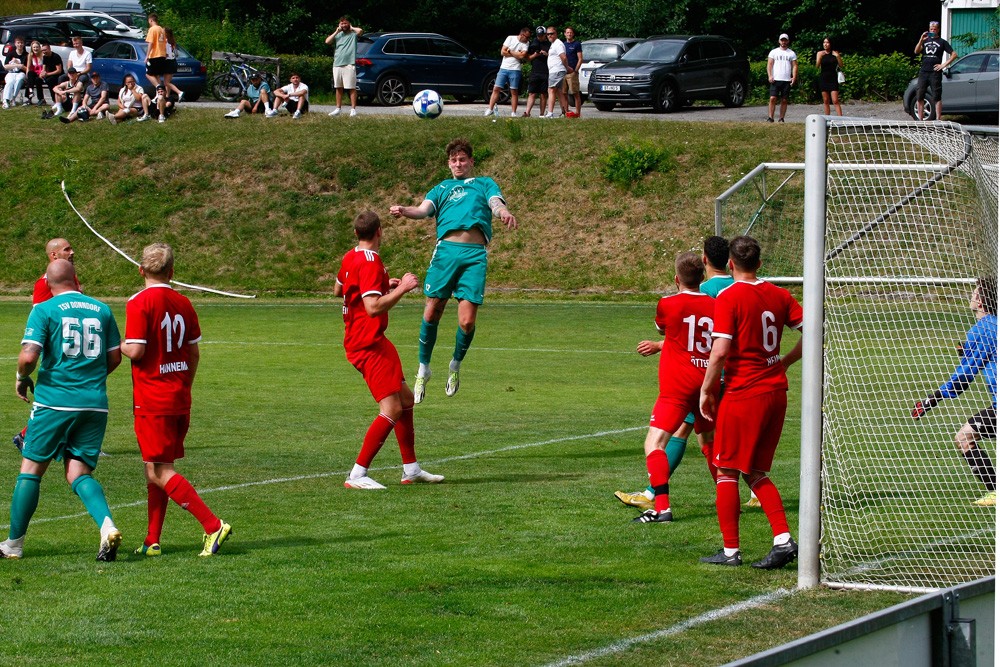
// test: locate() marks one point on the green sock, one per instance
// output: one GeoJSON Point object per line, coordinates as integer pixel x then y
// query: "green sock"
{"type": "Point", "coordinates": [675, 452]}
{"type": "Point", "coordinates": [462, 342]}
{"type": "Point", "coordinates": [92, 495]}
{"type": "Point", "coordinates": [23, 504]}
{"type": "Point", "coordinates": [428, 336]}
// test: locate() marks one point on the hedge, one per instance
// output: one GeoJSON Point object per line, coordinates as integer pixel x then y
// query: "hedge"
{"type": "Point", "coordinates": [871, 78]}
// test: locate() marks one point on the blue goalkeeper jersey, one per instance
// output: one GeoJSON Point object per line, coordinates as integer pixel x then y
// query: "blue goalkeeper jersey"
{"type": "Point", "coordinates": [979, 354]}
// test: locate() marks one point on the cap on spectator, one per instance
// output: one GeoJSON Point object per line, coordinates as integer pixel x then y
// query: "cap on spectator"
{"type": "Point", "coordinates": [255, 75]}
{"type": "Point", "coordinates": [71, 70]}
{"type": "Point", "coordinates": [160, 86]}
{"type": "Point", "coordinates": [784, 35]}
{"type": "Point", "coordinates": [540, 30]}
{"type": "Point", "coordinates": [95, 75]}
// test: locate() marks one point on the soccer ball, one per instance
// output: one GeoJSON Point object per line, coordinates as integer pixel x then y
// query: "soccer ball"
{"type": "Point", "coordinates": [427, 104]}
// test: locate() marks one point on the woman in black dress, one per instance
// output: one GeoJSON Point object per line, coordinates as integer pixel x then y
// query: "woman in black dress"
{"type": "Point", "coordinates": [828, 61]}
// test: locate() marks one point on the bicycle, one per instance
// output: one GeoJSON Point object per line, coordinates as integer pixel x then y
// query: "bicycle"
{"type": "Point", "coordinates": [231, 85]}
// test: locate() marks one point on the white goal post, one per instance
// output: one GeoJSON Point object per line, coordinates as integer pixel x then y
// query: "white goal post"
{"type": "Point", "coordinates": [900, 221]}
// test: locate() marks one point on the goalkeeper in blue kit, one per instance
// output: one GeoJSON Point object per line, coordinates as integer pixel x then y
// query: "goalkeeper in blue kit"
{"type": "Point", "coordinates": [979, 355]}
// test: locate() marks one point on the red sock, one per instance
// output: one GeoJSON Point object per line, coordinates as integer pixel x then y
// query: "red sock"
{"type": "Point", "coordinates": [156, 510]}
{"type": "Point", "coordinates": [727, 505]}
{"type": "Point", "coordinates": [706, 449]}
{"type": "Point", "coordinates": [770, 502]}
{"type": "Point", "coordinates": [374, 439]}
{"type": "Point", "coordinates": [659, 476]}
{"type": "Point", "coordinates": [182, 493]}
{"type": "Point", "coordinates": [404, 436]}
{"type": "Point", "coordinates": [24, 431]}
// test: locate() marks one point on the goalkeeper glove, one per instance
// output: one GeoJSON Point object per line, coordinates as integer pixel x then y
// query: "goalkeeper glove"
{"type": "Point", "coordinates": [922, 407]}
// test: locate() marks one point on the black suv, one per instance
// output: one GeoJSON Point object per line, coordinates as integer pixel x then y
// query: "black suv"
{"type": "Point", "coordinates": [33, 27]}
{"type": "Point", "coordinates": [669, 71]}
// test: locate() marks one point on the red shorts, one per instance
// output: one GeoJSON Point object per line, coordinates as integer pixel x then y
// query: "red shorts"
{"type": "Point", "coordinates": [748, 430]}
{"type": "Point", "coordinates": [161, 437]}
{"type": "Point", "coordinates": [380, 366]}
{"type": "Point", "coordinates": [670, 411]}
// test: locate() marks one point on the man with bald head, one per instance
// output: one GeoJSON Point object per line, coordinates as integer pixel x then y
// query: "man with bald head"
{"type": "Point", "coordinates": [77, 339]}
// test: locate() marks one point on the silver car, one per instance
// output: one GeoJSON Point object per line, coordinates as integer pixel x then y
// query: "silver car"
{"type": "Point", "coordinates": [598, 52]}
{"type": "Point", "coordinates": [970, 86]}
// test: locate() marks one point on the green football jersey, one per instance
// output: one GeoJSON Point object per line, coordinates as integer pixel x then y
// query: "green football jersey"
{"type": "Point", "coordinates": [464, 204]}
{"type": "Point", "coordinates": [75, 332]}
{"type": "Point", "coordinates": [716, 284]}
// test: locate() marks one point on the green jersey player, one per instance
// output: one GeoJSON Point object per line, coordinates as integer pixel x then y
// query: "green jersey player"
{"type": "Point", "coordinates": [464, 207]}
{"type": "Point", "coordinates": [79, 345]}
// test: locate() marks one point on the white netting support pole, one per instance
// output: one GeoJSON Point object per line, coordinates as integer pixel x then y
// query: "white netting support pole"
{"type": "Point", "coordinates": [813, 294]}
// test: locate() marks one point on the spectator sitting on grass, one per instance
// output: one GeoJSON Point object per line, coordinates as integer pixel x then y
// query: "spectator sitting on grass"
{"type": "Point", "coordinates": [257, 100]}
{"type": "Point", "coordinates": [294, 97]}
{"type": "Point", "coordinates": [131, 99]}
{"type": "Point", "coordinates": [164, 103]}
{"type": "Point", "coordinates": [95, 101]}
{"type": "Point", "coordinates": [69, 90]}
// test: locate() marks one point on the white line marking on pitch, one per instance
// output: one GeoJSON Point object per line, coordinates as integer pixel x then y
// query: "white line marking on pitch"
{"type": "Point", "coordinates": [491, 349]}
{"type": "Point", "coordinates": [709, 616]}
{"type": "Point", "coordinates": [321, 475]}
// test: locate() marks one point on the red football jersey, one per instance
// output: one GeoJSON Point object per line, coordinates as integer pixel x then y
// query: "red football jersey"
{"type": "Point", "coordinates": [43, 293]}
{"type": "Point", "coordinates": [753, 316]}
{"type": "Point", "coordinates": [362, 274]}
{"type": "Point", "coordinates": [686, 322]}
{"type": "Point", "coordinates": [166, 322]}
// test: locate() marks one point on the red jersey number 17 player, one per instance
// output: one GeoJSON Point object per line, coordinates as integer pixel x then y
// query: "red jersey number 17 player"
{"type": "Point", "coordinates": [750, 315]}
{"type": "Point", "coordinates": [368, 295]}
{"type": "Point", "coordinates": [161, 339]}
{"type": "Point", "coordinates": [685, 320]}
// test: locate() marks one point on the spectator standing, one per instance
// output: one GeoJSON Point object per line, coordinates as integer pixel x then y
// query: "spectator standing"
{"type": "Point", "coordinates": [574, 61]}
{"type": "Point", "coordinates": [257, 100]}
{"type": "Point", "coordinates": [95, 101]}
{"type": "Point", "coordinates": [16, 66]}
{"type": "Point", "coordinates": [131, 99]}
{"type": "Point", "coordinates": [345, 53]}
{"type": "Point", "coordinates": [36, 66]}
{"type": "Point", "coordinates": [557, 72]}
{"type": "Point", "coordinates": [538, 79]}
{"type": "Point", "coordinates": [828, 61]}
{"type": "Point", "coordinates": [782, 71]}
{"type": "Point", "coordinates": [932, 64]}
{"type": "Point", "coordinates": [514, 50]}
{"type": "Point", "coordinates": [295, 97]}
{"type": "Point", "coordinates": [171, 65]}
{"type": "Point", "coordinates": [156, 50]}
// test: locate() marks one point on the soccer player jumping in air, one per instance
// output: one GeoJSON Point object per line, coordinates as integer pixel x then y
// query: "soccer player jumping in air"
{"type": "Point", "coordinates": [464, 207]}
{"type": "Point", "coordinates": [161, 339]}
{"type": "Point", "coordinates": [978, 354]}
{"type": "Point", "coordinates": [749, 318]}
{"type": "Point", "coordinates": [368, 294]}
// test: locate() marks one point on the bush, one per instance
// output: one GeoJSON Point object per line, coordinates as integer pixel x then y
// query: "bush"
{"type": "Point", "coordinates": [627, 163]}
{"type": "Point", "coordinates": [200, 36]}
{"type": "Point", "coordinates": [870, 78]}
{"type": "Point", "coordinates": [316, 71]}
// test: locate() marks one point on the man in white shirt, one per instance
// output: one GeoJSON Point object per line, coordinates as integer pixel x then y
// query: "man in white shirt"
{"type": "Point", "coordinates": [557, 72]}
{"type": "Point", "coordinates": [514, 50]}
{"type": "Point", "coordinates": [295, 97]}
{"type": "Point", "coordinates": [782, 70]}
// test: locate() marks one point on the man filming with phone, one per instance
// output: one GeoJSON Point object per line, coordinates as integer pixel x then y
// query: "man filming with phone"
{"type": "Point", "coordinates": [933, 49]}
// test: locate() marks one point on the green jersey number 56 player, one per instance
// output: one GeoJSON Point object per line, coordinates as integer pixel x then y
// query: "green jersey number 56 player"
{"type": "Point", "coordinates": [464, 207]}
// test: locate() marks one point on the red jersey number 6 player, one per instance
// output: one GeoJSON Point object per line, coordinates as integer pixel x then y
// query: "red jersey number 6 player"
{"type": "Point", "coordinates": [750, 315]}
{"type": "Point", "coordinates": [368, 295]}
{"type": "Point", "coordinates": [161, 339]}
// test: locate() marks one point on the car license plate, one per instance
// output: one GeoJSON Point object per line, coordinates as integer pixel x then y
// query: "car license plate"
{"type": "Point", "coordinates": [183, 70]}
{"type": "Point", "coordinates": [611, 89]}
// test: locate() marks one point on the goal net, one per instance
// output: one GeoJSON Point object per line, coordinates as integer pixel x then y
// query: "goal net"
{"type": "Point", "coordinates": [903, 218]}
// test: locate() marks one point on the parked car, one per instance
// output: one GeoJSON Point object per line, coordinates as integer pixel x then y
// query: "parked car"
{"type": "Point", "coordinates": [393, 65]}
{"type": "Point", "coordinates": [92, 37]}
{"type": "Point", "coordinates": [970, 86]}
{"type": "Point", "coordinates": [46, 34]}
{"type": "Point", "coordinates": [110, 6]}
{"type": "Point", "coordinates": [128, 56]}
{"type": "Point", "coordinates": [114, 28]}
{"type": "Point", "coordinates": [670, 71]}
{"type": "Point", "coordinates": [597, 52]}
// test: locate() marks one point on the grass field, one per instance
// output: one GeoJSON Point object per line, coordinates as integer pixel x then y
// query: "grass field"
{"type": "Point", "coordinates": [522, 556]}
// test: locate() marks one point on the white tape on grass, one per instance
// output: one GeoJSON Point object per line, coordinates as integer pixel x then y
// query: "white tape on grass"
{"type": "Point", "coordinates": [340, 473]}
{"type": "Point", "coordinates": [716, 614]}
{"type": "Point", "coordinates": [117, 250]}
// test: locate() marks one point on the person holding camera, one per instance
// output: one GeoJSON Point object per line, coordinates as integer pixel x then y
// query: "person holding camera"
{"type": "Point", "coordinates": [933, 49]}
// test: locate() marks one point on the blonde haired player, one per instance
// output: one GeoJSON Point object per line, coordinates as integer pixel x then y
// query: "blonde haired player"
{"type": "Point", "coordinates": [161, 339]}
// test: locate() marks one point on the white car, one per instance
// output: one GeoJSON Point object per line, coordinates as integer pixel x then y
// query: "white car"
{"type": "Point", "coordinates": [598, 52]}
{"type": "Point", "coordinates": [100, 20]}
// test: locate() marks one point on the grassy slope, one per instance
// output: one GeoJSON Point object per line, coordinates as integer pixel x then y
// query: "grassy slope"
{"type": "Point", "coordinates": [266, 205]}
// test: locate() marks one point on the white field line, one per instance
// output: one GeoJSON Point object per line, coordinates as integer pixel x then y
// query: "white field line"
{"type": "Point", "coordinates": [709, 616]}
{"type": "Point", "coordinates": [490, 349]}
{"type": "Point", "coordinates": [320, 475]}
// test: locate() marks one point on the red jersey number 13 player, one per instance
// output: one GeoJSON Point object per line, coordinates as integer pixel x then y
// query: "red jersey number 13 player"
{"type": "Point", "coordinates": [161, 339]}
{"type": "Point", "coordinates": [368, 295]}
{"type": "Point", "coordinates": [750, 315]}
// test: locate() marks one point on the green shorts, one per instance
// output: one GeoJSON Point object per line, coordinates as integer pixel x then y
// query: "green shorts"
{"type": "Point", "coordinates": [459, 270]}
{"type": "Point", "coordinates": [61, 434]}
